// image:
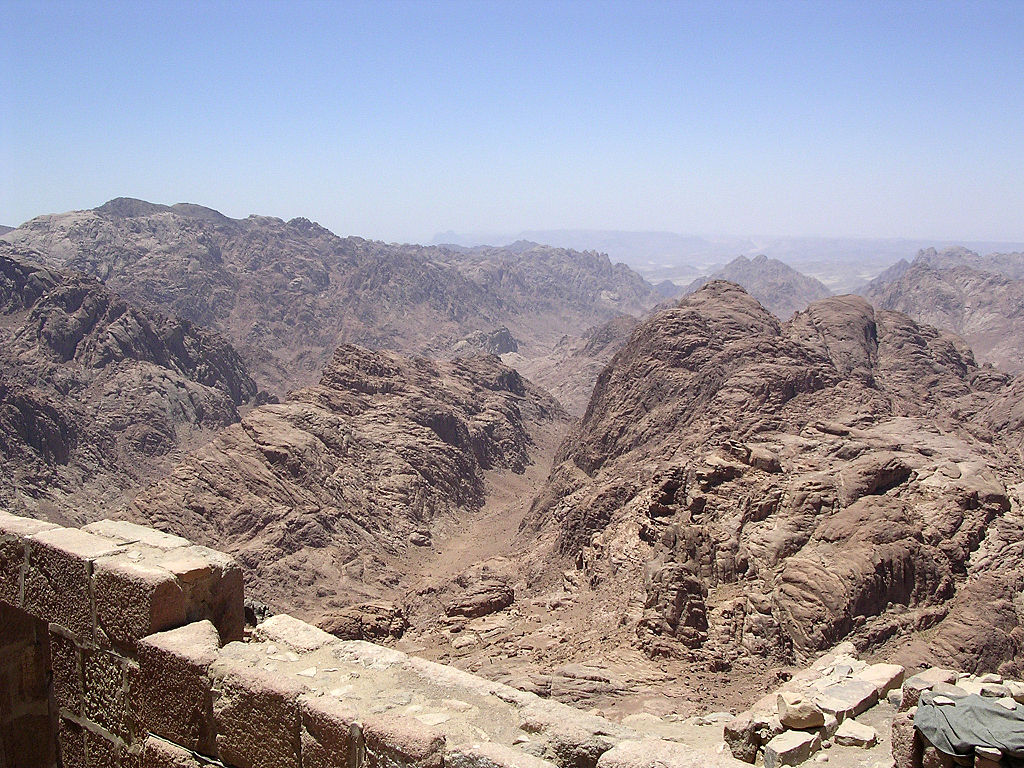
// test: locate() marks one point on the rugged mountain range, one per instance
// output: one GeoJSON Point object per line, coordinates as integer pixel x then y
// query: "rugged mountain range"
{"type": "Point", "coordinates": [96, 395]}
{"type": "Point", "coordinates": [288, 293]}
{"type": "Point", "coordinates": [324, 496]}
{"type": "Point", "coordinates": [980, 298]}
{"type": "Point", "coordinates": [744, 489]}
{"type": "Point", "coordinates": [779, 287]}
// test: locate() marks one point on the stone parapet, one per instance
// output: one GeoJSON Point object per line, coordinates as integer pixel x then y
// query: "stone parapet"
{"type": "Point", "coordinates": [140, 661]}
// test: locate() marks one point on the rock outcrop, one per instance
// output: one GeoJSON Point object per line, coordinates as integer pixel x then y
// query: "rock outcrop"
{"type": "Point", "coordinates": [96, 395]}
{"type": "Point", "coordinates": [321, 495]}
{"type": "Point", "coordinates": [741, 488]}
{"type": "Point", "coordinates": [980, 298]}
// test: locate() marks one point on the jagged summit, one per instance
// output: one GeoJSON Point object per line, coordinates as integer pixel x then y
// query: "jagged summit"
{"type": "Point", "coordinates": [742, 488]}
{"type": "Point", "coordinates": [779, 287]}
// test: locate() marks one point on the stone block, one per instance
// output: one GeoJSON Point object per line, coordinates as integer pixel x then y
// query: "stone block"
{"type": "Point", "coordinates": [125, 532]}
{"type": "Point", "coordinates": [135, 599]}
{"type": "Point", "coordinates": [884, 677]}
{"type": "Point", "coordinates": [256, 715]}
{"type": "Point", "coordinates": [13, 530]}
{"type": "Point", "coordinates": [950, 691]}
{"type": "Point", "coordinates": [397, 742]}
{"type": "Point", "coordinates": [798, 711]}
{"type": "Point", "coordinates": [923, 681]}
{"type": "Point", "coordinates": [291, 632]}
{"type": "Point", "coordinates": [790, 748]}
{"type": "Point", "coordinates": [213, 587]}
{"type": "Point", "coordinates": [104, 699]}
{"type": "Point", "coordinates": [71, 740]}
{"type": "Point", "coordinates": [491, 755]}
{"type": "Point", "coordinates": [741, 736]}
{"type": "Point", "coordinates": [174, 687]}
{"type": "Point", "coordinates": [934, 758]}
{"type": "Point", "coordinates": [158, 753]}
{"type": "Point", "coordinates": [330, 733]}
{"type": "Point", "coordinates": [66, 670]}
{"type": "Point", "coordinates": [1016, 690]}
{"type": "Point", "coordinates": [58, 578]}
{"type": "Point", "coordinates": [645, 753]}
{"type": "Point", "coordinates": [847, 699]}
{"type": "Point", "coordinates": [853, 734]}
{"type": "Point", "coordinates": [906, 741]}
{"type": "Point", "coordinates": [102, 752]}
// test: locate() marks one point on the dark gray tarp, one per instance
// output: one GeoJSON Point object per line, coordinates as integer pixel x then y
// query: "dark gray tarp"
{"type": "Point", "coordinates": [971, 721]}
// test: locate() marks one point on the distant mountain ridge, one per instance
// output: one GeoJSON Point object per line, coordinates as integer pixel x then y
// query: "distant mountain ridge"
{"type": "Point", "coordinates": [980, 298]}
{"type": "Point", "coordinates": [288, 293]}
{"type": "Point", "coordinates": [780, 288]}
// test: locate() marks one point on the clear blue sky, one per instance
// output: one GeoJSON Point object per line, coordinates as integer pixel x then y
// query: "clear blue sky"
{"type": "Point", "coordinates": [396, 120]}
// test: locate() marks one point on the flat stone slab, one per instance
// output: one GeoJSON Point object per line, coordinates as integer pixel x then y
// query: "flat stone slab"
{"type": "Point", "coordinates": [853, 734]}
{"type": "Point", "coordinates": [791, 748]}
{"type": "Point", "coordinates": [884, 677]}
{"type": "Point", "coordinates": [848, 699]}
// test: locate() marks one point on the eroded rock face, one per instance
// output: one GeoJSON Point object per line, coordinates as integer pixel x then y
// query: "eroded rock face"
{"type": "Point", "coordinates": [96, 395]}
{"type": "Point", "coordinates": [780, 288]}
{"type": "Point", "coordinates": [320, 496]}
{"type": "Point", "coordinates": [287, 293]}
{"type": "Point", "coordinates": [978, 298]}
{"type": "Point", "coordinates": [768, 489]}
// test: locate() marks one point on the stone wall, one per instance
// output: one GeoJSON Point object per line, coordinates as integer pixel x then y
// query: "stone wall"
{"type": "Point", "coordinates": [124, 647]}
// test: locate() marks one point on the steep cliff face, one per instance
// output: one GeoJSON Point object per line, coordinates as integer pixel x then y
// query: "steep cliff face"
{"type": "Point", "coordinates": [320, 496]}
{"type": "Point", "coordinates": [288, 293]}
{"type": "Point", "coordinates": [97, 395]}
{"type": "Point", "coordinates": [980, 298]}
{"type": "Point", "coordinates": [743, 488]}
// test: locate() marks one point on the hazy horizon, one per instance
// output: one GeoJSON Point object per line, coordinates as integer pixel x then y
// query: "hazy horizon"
{"type": "Point", "coordinates": [398, 120]}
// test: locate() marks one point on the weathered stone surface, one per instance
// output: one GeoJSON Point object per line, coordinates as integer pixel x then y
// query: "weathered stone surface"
{"type": "Point", "coordinates": [135, 599]}
{"type": "Point", "coordinates": [642, 753]}
{"type": "Point", "coordinates": [934, 758]}
{"type": "Point", "coordinates": [906, 741]}
{"type": "Point", "coordinates": [923, 681]}
{"type": "Point", "coordinates": [57, 582]}
{"type": "Point", "coordinates": [790, 748]}
{"type": "Point", "coordinates": [174, 687]}
{"type": "Point", "coordinates": [13, 530]}
{"type": "Point", "coordinates": [491, 755]}
{"type": "Point", "coordinates": [293, 633]}
{"type": "Point", "coordinates": [798, 711]}
{"type": "Point", "coordinates": [746, 733]}
{"type": "Point", "coordinates": [885, 677]}
{"type": "Point", "coordinates": [127, 532]}
{"type": "Point", "coordinates": [397, 742]}
{"type": "Point", "coordinates": [104, 699]}
{"type": "Point", "coordinates": [158, 753]}
{"type": "Point", "coordinates": [247, 700]}
{"type": "Point", "coordinates": [213, 586]}
{"type": "Point", "coordinates": [66, 666]}
{"type": "Point", "coordinates": [848, 699]}
{"type": "Point", "coordinates": [71, 739]}
{"type": "Point", "coordinates": [330, 733]}
{"type": "Point", "coordinates": [374, 621]}
{"type": "Point", "coordinates": [850, 733]}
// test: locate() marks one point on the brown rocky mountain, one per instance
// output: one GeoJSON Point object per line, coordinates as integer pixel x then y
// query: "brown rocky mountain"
{"type": "Point", "coordinates": [288, 293]}
{"type": "Point", "coordinates": [780, 288]}
{"type": "Point", "coordinates": [326, 497]}
{"type": "Point", "coordinates": [743, 492]}
{"type": "Point", "coordinates": [980, 298]}
{"type": "Point", "coordinates": [96, 395]}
